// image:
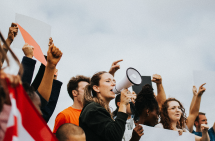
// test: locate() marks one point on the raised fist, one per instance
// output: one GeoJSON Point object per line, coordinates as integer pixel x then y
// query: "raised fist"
{"type": "Point", "coordinates": [28, 50]}
{"type": "Point", "coordinates": [13, 30]}
{"type": "Point", "coordinates": [156, 78]}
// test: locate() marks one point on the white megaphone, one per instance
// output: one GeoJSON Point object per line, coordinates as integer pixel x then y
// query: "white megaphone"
{"type": "Point", "coordinates": [132, 77]}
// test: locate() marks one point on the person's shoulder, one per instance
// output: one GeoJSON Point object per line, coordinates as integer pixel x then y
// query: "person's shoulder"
{"type": "Point", "coordinates": [159, 125]}
{"type": "Point", "coordinates": [67, 111]}
{"type": "Point", "coordinates": [93, 107]}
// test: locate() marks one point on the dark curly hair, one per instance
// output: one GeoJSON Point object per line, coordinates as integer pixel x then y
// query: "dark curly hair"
{"type": "Point", "coordinates": [145, 100]}
{"type": "Point", "coordinates": [73, 83]}
{"type": "Point", "coordinates": [165, 120]}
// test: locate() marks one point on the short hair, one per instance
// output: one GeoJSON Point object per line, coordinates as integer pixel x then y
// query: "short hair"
{"type": "Point", "coordinates": [68, 129]}
{"type": "Point", "coordinates": [197, 118]}
{"type": "Point", "coordinates": [73, 83]}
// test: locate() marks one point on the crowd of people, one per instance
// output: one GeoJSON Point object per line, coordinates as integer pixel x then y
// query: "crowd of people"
{"type": "Point", "coordinates": [90, 117]}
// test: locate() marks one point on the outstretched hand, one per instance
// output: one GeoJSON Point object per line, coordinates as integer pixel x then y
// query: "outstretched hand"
{"type": "Point", "coordinates": [201, 89]}
{"type": "Point", "coordinates": [137, 133]}
{"type": "Point", "coordinates": [156, 78]}
{"type": "Point", "coordinates": [13, 31]}
{"type": "Point", "coordinates": [114, 67]}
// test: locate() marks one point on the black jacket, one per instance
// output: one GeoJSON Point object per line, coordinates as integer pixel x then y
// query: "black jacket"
{"type": "Point", "coordinates": [98, 124]}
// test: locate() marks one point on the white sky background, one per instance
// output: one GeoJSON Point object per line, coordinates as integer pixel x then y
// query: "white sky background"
{"type": "Point", "coordinates": [171, 38]}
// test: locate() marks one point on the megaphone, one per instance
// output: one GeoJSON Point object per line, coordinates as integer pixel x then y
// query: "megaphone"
{"type": "Point", "coordinates": [133, 77]}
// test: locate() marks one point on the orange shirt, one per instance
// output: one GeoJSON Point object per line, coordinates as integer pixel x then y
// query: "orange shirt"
{"type": "Point", "coordinates": [68, 115]}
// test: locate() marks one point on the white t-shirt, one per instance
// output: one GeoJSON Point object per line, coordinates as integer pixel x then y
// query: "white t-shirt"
{"type": "Point", "coordinates": [128, 129]}
{"type": "Point", "coordinates": [160, 125]}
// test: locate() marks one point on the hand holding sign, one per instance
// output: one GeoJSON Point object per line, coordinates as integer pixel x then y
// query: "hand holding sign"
{"type": "Point", "coordinates": [137, 133]}
{"type": "Point", "coordinates": [13, 30]}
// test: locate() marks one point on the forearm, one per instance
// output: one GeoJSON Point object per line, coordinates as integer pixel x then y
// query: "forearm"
{"type": "Point", "coordinates": [28, 66]}
{"type": "Point", "coordinates": [194, 111]}
{"type": "Point", "coordinates": [196, 106]}
{"type": "Point", "coordinates": [192, 102]}
{"type": "Point", "coordinates": [161, 96]}
{"type": "Point", "coordinates": [205, 136]}
{"type": "Point", "coordinates": [5, 48]}
{"type": "Point", "coordinates": [46, 83]}
{"type": "Point", "coordinates": [122, 108]}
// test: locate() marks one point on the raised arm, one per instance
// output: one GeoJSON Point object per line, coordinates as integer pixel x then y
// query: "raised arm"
{"type": "Point", "coordinates": [28, 63]}
{"type": "Point", "coordinates": [194, 96]}
{"type": "Point", "coordinates": [13, 30]}
{"type": "Point", "coordinates": [114, 67]}
{"type": "Point", "coordinates": [161, 95]}
{"type": "Point", "coordinates": [53, 57]}
{"type": "Point", "coordinates": [194, 111]}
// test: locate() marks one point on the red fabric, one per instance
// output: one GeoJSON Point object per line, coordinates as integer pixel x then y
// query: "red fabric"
{"type": "Point", "coordinates": [31, 121]}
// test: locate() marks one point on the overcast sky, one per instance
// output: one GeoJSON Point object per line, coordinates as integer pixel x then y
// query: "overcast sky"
{"type": "Point", "coordinates": [170, 38]}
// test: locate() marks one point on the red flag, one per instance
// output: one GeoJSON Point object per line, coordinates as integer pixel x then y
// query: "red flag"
{"type": "Point", "coordinates": [25, 123]}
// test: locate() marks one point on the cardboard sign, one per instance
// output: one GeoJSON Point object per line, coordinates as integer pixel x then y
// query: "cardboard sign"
{"type": "Point", "coordinates": [159, 134]}
{"type": "Point", "coordinates": [35, 33]}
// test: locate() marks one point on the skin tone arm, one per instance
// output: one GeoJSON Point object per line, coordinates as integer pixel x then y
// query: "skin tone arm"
{"type": "Point", "coordinates": [124, 100]}
{"type": "Point", "coordinates": [161, 96]}
{"type": "Point", "coordinates": [13, 30]}
{"type": "Point", "coordinates": [137, 133]}
{"type": "Point", "coordinates": [114, 67]}
{"type": "Point", "coordinates": [195, 108]}
{"type": "Point", "coordinates": [205, 136]}
{"type": "Point", "coordinates": [53, 57]}
{"type": "Point", "coordinates": [194, 96]}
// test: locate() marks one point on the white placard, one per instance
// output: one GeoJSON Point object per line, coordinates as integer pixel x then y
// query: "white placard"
{"type": "Point", "coordinates": [159, 134]}
{"type": "Point", "coordinates": [40, 31]}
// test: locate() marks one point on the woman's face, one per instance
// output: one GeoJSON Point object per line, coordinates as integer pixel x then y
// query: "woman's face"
{"type": "Point", "coordinates": [174, 111]}
{"type": "Point", "coordinates": [106, 84]}
{"type": "Point", "coordinates": [152, 118]}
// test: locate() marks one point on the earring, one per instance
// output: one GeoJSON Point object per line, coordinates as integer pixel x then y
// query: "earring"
{"type": "Point", "coordinates": [148, 114]}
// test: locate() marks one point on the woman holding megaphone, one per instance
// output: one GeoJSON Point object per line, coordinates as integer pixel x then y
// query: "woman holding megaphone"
{"type": "Point", "coordinates": [96, 119]}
